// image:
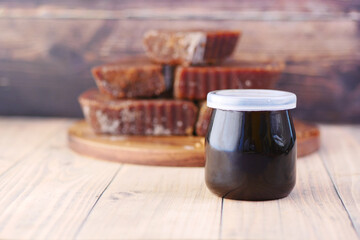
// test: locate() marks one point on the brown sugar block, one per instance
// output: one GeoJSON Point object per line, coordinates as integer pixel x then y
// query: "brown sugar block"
{"type": "Point", "coordinates": [132, 77]}
{"type": "Point", "coordinates": [188, 47]}
{"type": "Point", "coordinates": [195, 82]}
{"type": "Point", "coordinates": [203, 119]}
{"type": "Point", "coordinates": [138, 117]}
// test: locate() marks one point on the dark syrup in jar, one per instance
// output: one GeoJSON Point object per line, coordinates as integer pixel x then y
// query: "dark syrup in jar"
{"type": "Point", "coordinates": [250, 155]}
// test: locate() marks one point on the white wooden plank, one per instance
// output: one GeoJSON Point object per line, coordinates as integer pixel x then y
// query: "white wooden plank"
{"type": "Point", "coordinates": [155, 203]}
{"type": "Point", "coordinates": [312, 211]}
{"type": "Point", "coordinates": [341, 156]}
{"type": "Point", "coordinates": [353, 130]}
{"type": "Point", "coordinates": [51, 191]}
{"type": "Point", "coordinates": [20, 136]}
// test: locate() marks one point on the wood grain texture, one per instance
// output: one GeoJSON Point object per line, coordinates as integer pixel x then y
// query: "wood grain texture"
{"type": "Point", "coordinates": [48, 192]}
{"type": "Point", "coordinates": [326, 91]}
{"type": "Point", "coordinates": [176, 151]}
{"type": "Point", "coordinates": [47, 50]}
{"type": "Point", "coordinates": [15, 134]}
{"type": "Point", "coordinates": [51, 191]}
{"type": "Point", "coordinates": [341, 159]}
{"type": "Point", "coordinates": [259, 5]}
{"type": "Point", "coordinates": [73, 43]}
{"type": "Point", "coordinates": [155, 203]}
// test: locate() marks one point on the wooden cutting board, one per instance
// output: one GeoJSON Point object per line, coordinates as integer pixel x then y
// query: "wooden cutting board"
{"type": "Point", "coordinates": [178, 151]}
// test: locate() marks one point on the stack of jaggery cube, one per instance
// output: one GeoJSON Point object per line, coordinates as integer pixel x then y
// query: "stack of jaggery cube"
{"type": "Point", "coordinates": [161, 93]}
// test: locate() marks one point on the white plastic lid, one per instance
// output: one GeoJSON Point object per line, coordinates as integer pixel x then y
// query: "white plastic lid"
{"type": "Point", "coordinates": [251, 100]}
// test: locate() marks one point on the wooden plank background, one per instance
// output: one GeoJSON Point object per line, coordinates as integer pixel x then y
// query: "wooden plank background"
{"type": "Point", "coordinates": [48, 47]}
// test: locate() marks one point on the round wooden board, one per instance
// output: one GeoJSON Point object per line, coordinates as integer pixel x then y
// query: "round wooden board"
{"type": "Point", "coordinates": [177, 151]}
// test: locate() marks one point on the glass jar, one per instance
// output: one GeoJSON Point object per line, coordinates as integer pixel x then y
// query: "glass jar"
{"type": "Point", "coordinates": [251, 144]}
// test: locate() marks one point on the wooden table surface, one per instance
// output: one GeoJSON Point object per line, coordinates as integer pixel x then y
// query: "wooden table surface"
{"type": "Point", "coordinates": [47, 191]}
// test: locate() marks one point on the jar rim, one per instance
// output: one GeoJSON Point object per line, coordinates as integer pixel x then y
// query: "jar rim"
{"type": "Point", "coordinates": [251, 100]}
